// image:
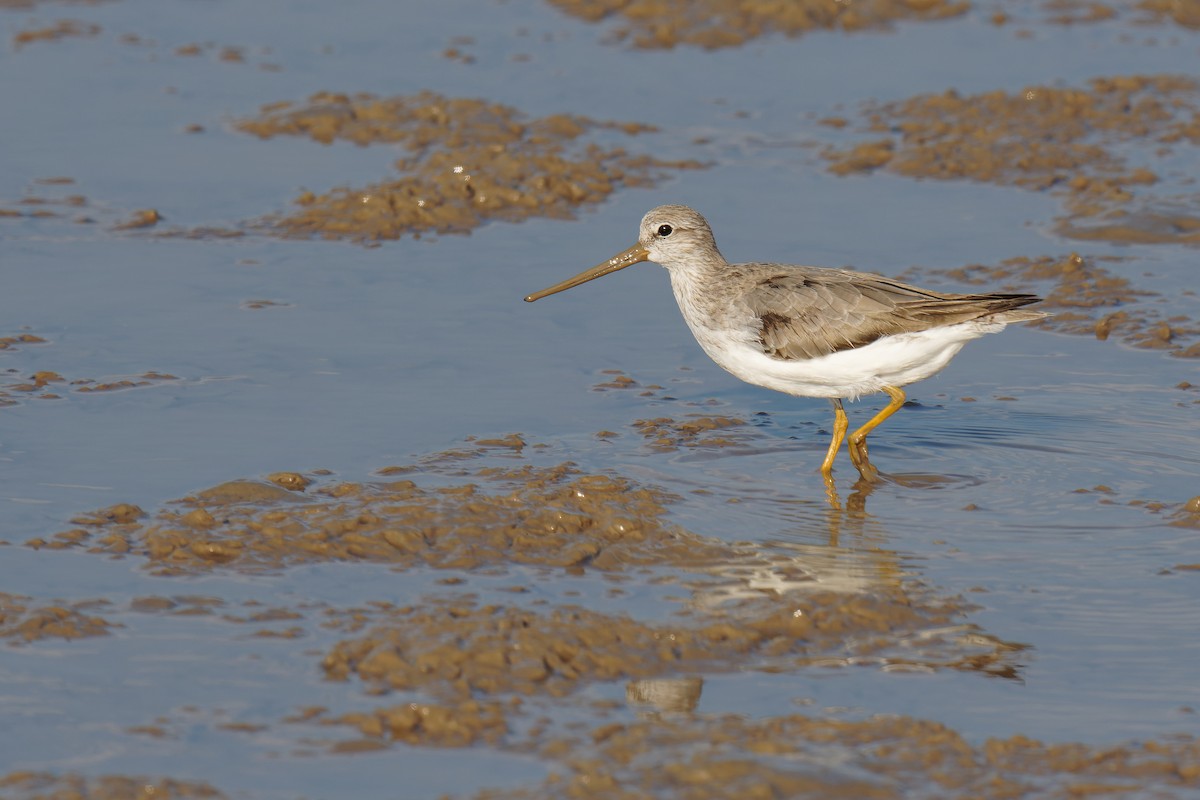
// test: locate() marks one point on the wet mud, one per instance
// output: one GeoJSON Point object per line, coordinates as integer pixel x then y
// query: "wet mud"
{"type": "Point", "coordinates": [680, 755]}
{"type": "Point", "coordinates": [40, 202]}
{"type": "Point", "coordinates": [1143, 12]}
{"type": "Point", "coordinates": [12, 343]}
{"type": "Point", "coordinates": [459, 649]}
{"type": "Point", "coordinates": [461, 724]}
{"type": "Point", "coordinates": [795, 755]}
{"type": "Point", "coordinates": [1181, 12]}
{"type": "Point", "coordinates": [469, 162]}
{"type": "Point", "coordinates": [58, 198]}
{"type": "Point", "coordinates": [1185, 515]}
{"type": "Point", "coordinates": [47, 786]}
{"type": "Point", "coordinates": [1175, 514]}
{"type": "Point", "coordinates": [738, 600]}
{"type": "Point", "coordinates": [713, 24]}
{"type": "Point", "coordinates": [665, 24]}
{"type": "Point", "coordinates": [552, 516]}
{"type": "Point", "coordinates": [227, 54]}
{"type": "Point", "coordinates": [145, 218]}
{"type": "Point", "coordinates": [667, 433]}
{"type": "Point", "coordinates": [22, 621]}
{"type": "Point", "coordinates": [62, 29]}
{"type": "Point", "coordinates": [49, 385]}
{"type": "Point", "coordinates": [1068, 142]}
{"type": "Point", "coordinates": [740, 606]}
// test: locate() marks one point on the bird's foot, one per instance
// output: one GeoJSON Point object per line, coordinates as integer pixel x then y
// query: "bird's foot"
{"type": "Point", "coordinates": [858, 455]}
{"type": "Point", "coordinates": [868, 473]}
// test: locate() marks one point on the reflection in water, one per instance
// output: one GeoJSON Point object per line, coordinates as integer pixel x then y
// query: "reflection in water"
{"type": "Point", "coordinates": [838, 572]}
{"type": "Point", "coordinates": [849, 561]}
{"type": "Point", "coordinates": [665, 694]}
{"type": "Point", "coordinates": [857, 501]}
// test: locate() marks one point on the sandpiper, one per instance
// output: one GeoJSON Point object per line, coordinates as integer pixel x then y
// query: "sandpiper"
{"type": "Point", "coordinates": [810, 331]}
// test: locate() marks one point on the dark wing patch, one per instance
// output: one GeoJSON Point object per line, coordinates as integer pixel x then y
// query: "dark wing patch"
{"type": "Point", "coordinates": [774, 330]}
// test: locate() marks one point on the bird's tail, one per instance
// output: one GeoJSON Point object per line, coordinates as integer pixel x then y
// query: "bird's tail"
{"type": "Point", "coordinates": [1020, 315]}
{"type": "Point", "coordinates": [1008, 307]}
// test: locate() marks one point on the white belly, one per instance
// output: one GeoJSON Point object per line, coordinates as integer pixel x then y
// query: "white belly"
{"type": "Point", "coordinates": [890, 361]}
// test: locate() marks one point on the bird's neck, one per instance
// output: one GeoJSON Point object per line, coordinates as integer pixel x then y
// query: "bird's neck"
{"type": "Point", "coordinates": [697, 289]}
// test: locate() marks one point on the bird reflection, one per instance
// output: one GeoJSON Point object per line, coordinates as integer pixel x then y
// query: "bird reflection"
{"type": "Point", "coordinates": [837, 569]}
{"type": "Point", "coordinates": [665, 694]}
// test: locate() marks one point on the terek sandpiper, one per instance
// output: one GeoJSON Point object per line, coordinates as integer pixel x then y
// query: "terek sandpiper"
{"type": "Point", "coordinates": [810, 331]}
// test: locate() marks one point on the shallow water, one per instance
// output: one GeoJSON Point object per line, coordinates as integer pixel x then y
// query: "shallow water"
{"type": "Point", "coordinates": [383, 356]}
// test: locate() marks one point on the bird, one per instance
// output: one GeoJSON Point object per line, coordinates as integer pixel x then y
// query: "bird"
{"type": "Point", "coordinates": [810, 331]}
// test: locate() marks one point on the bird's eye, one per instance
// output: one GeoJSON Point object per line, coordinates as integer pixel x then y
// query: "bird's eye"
{"type": "Point", "coordinates": [665, 230]}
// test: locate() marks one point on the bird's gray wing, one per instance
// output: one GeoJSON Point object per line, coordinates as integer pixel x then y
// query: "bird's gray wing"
{"type": "Point", "coordinates": [814, 312]}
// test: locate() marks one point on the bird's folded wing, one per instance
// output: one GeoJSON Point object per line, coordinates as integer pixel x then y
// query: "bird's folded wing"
{"type": "Point", "coordinates": [814, 313]}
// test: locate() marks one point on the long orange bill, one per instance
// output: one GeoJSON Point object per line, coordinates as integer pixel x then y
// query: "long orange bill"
{"type": "Point", "coordinates": [626, 258]}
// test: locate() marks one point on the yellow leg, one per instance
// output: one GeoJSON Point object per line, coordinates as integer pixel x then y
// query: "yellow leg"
{"type": "Point", "coordinates": [858, 439]}
{"type": "Point", "coordinates": [840, 426]}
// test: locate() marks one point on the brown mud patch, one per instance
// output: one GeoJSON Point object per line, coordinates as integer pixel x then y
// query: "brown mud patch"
{"type": "Point", "coordinates": [616, 379]}
{"type": "Point", "coordinates": [550, 516]}
{"type": "Point", "coordinates": [1181, 12]}
{"type": "Point", "coordinates": [461, 724]}
{"type": "Point", "coordinates": [1185, 515]}
{"type": "Point", "coordinates": [1086, 299]}
{"type": "Point", "coordinates": [1069, 12]}
{"type": "Point", "coordinates": [794, 755]}
{"type": "Point", "coordinates": [63, 29]}
{"type": "Point", "coordinates": [143, 218]}
{"type": "Point", "coordinates": [695, 430]}
{"type": "Point", "coordinates": [457, 649]}
{"type": "Point", "coordinates": [462, 516]}
{"type": "Point", "coordinates": [40, 204]}
{"type": "Point", "coordinates": [21, 621]}
{"type": "Point", "coordinates": [180, 605]}
{"type": "Point", "coordinates": [692, 430]}
{"type": "Point", "coordinates": [47, 786]}
{"type": "Point", "coordinates": [59, 198]}
{"type": "Point", "coordinates": [712, 24]}
{"type": "Point", "coordinates": [183, 721]}
{"type": "Point", "coordinates": [259, 305]}
{"type": "Point", "coordinates": [776, 602]}
{"type": "Point", "coordinates": [468, 162]}
{"type": "Point", "coordinates": [478, 517]}
{"type": "Point", "coordinates": [1066, 141]}
{"type": "Point", "coordinates": [9, 5]}
{"type": "Point", "coordinates": [13, 343]}
{"type": "Point", "coordinates": [1143, 12]}
{"type": "Point", "coordinates": [227, 54]}
{"type": "Point", "coordinates": [249, 612]}
{"type": "Point", "coordinates": [457, 49]}
{"type": "Point", "coordinates": [1174, 514]}
{"type": "Point", "coordinates": [50, 385]}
